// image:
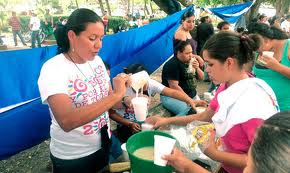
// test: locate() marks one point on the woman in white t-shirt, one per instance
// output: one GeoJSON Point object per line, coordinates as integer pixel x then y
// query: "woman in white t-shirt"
{"type": "Point", "coordinates": [77, 89]}
{"type": "Point", "coordinates": [125, 116]}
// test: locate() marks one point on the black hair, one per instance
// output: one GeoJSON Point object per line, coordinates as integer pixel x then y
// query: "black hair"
{"type": "Point", "coordinates": [203, 19]}
{"type": "Point", "coordinates": [271, 147]}
{"type": "Point", "coordinates": [227, 44]}
{"type": "Point", "coordinates": [179, 45]}
{"type": "Point", "coordinates": [134, 68]}
{"type": "Point", "coordinates": [186, 15]}
{"type": "Point", "coordinates": [274, 18]}
{"type": "Point", "coordinates": [267, 31]}
{"type": "Point", "coordinates": [77, 22]}
{"type": "Point", "coordinates": [222, 24]}
{"type": "Point", "coordinates": [262, 16]}
{"type": "Point", "coordinates": [108, 67]}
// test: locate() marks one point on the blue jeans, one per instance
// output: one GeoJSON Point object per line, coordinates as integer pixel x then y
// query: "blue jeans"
{"type": "Point", "coordinates": [115, 150]}
{"type": "Point", "coordinates": [15, 33]}
{"type": "Point", "coordinates": [178, 107]}
{"type": "Point", "coordinates": [34, 37]}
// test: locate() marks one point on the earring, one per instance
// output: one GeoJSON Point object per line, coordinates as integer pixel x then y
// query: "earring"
{"type": "Point", "coordinates": [73, 50]}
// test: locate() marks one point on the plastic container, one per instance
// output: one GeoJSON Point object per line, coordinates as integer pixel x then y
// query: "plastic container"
{"type": "Point", "coordinates": [140, 140]}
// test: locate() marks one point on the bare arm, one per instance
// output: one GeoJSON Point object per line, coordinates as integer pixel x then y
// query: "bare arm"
{"type": "Point", "coordinates": [200, 73]}
{"type": "Point", "coordinates": [70, 118]}
{"type": "Point", "coordinates": [235, 160]}
{"type": "Point", "coordinates": [118, 118]}
{"type": "Point", "coordinates": [174, 84]}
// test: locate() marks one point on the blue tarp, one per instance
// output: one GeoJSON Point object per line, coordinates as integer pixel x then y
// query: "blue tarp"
{"type": "Point", "coordinates": [28, 125]}
{"type": "Point", "coordinates": [232, 13]}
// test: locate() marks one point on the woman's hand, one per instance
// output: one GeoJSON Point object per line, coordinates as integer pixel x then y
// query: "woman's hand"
{"type": "Point", "coordinates": [178, 160]}
{"type": "Point", "coordinates": [195, 64]}
{"type": "Point", "coordinates": [156, 121]}
{"type": "Point", "coordinates": [270, 62]}
{"type": "Point", "coordinates": [200, 60]}
{"type": "Point", "coordinates": [201, 103]}
{"type": "Point", "coordinates": [135, 127]}
{"type": "Point", "coordinates": [120, 83]}
{"type": "Point", "coordinates": [209, 146]}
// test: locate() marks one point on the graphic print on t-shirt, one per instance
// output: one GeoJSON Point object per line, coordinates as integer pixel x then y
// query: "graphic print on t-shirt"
{"type": "Point", "coordinates": [86, 90]}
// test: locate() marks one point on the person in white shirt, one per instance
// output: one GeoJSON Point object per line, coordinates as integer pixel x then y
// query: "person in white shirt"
{"type": "Point", "coordinates": [77, 89]}
{"type": "Point", "coordinates": [285, 25]}
{"type": "Point", "coordinates": [125, 116]}
{"type": "Point", "coordinates": [34, 25]}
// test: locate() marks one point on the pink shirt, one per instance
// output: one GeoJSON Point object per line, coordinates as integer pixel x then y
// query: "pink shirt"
{"type": "Point", "coordinates": [239, 138]}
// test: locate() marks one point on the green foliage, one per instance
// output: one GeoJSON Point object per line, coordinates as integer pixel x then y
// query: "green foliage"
{"type": "Point", "coordinates": [214, 3]}
{"type": "Point", "coordinates": [116, 21]}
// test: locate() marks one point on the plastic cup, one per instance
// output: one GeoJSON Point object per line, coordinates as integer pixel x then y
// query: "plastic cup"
{"type": "Point", "coordinates": [162, 146]}
{"type": "Point", "coordinates": [140, 105]}
{"type": "Point", "coordinates": [138, 80]}
{"type": "Point", "coordinates": [146, 127]}
{"type": "Point", "coordinates": [268, 53]}
{"type": "Point", "coordinates": [124, 152]}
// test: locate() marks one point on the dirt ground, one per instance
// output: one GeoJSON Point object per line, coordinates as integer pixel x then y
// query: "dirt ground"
{"type": "Point", "coordinates": [36, 159]}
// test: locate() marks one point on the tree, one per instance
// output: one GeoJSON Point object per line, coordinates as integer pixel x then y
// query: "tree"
{"type": "Point", "coordinates": [101, 6]}
{"type": "Point", "coordinates": [108, 7]}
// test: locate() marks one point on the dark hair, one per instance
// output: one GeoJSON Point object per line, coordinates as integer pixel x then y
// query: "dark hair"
{"type": "Point", "coordinates": [186, 15]}
{"type": "Point", "coordinates": [262, 16]}
{"type": "Point", "coordinates": [275, 18]}
{"type": "Point", "coordinates": [134, 68]}
{"type": "Point", "coordinates": [77, 22]}
{"type": "Point", "coordinates": [203, 19]}
{"type": "Point", "coordinates": [267, 31]}
{"type": "Point", "coordinates": [226, 44]}
{"type": "Point", "coordinates": [271, 147]}
{"type": "Point", "coordinates": [222, 24]}
{"type": "Point", "coordinates": [179, 45]}
{"type": "Point", "coordinates": [108, 67]}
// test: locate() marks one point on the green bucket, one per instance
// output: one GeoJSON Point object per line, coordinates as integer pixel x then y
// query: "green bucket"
{"type": "Point", "coordinates": [140, 140]}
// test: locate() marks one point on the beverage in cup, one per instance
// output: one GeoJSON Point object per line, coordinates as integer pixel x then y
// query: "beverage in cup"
{"type": "Point", "coordinates": [139, 79]}
{"type": "Point", "coordinates": [162, 146]}
{"type": "Point", "coordinates": [140, 106]}
{"type": "Point", "coordinates": [268, 53]}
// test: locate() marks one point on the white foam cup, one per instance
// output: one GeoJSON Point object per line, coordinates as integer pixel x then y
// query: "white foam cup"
{"type": "Point", "coordinates": [146, 126]}
{"type": "Point", "coordinates": [124, 152]}
{"type": "Point", "coordinates": [162, 146]}
{"type": "Point", "coordinates": [138, 80]}
{"type": "Point", "coordinates": [200, 109]}
{"type": "Point", "coordinates": [140, 105]}
{"type": "Point", "coordinates": [268, 53]}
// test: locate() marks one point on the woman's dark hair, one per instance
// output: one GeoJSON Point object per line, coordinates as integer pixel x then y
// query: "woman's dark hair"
{"type": "Point", "coordinates": [203, 19]}
{"type": "Point", "coordinates": [134, 68]}
{"type": "Point", "coordinates": [274, 18]}
{"type": "Point", "coordinates": [267, 31]}
{"type": "Point", "coordinates": [108, 67]}
{"type": "Point", "coordinates": [179, 45]}
{"type": "Point", "coordinates": [227, 44]}
{"type": "Point", "coordinates": [186, 15]}
{"type": "Point", "coordinates": [222, 24]}
{"type": "Point", "coordinates": [271, 147]}
{"type": "Point", "coordinates": [77, 22]}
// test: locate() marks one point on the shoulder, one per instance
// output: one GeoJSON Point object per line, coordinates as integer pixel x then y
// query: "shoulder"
{"type": "Point", "coordinates": [179, 35]}
{"type": "Point", "coordinates": [55, 62]}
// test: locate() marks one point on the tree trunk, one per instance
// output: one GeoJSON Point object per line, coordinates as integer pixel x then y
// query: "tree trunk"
{"type": "Point", "coordinates": [253, 12]}
{"type": "Point", "coordinates": [108, 7]}
{"type": "Point", "coordinates": [146, 11]}
{"type": "Point", "coordinates": [128, 9]}
{"type": "Point", "coordinates": [101, 6]}
{"type": "Point", "coordinates": [77, 4]}
{"type": "Point", "coordinates": [132, 7]}
{"type": "Point", "coordinates": [151, 7]}
{"type": "Point", "coordinates": [278, 7]}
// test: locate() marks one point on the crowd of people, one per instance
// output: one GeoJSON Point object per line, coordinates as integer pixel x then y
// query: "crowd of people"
{"type": "Point", "coordinates": [245, 108]}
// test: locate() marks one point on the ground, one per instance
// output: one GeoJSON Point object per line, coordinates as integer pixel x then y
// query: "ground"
{"type": "Point", "coordinates": [36, 159]}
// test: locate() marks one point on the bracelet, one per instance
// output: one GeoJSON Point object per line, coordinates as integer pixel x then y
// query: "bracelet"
{"type": "Point", "coordinates": [123, 101]}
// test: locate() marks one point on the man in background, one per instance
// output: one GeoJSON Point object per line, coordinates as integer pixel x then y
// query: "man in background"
{"type": "Point", "coordinates": [16, 28]}
{"type": "Point", "coordinates": [34, 25]}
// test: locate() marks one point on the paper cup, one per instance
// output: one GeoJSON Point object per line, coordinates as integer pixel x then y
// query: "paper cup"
{"type": "Point", "coordinates": [146, 127]}
{"type": "Point", "coordinates": [124, 152]}
{"type": "Point", "coordinates": [162, 146]}
{"type": "Point", "coordinates": [138, 80]}
{"type": "Point", "coordinates": [140, 105]}
{"type": "Point", "coordinates": [200, 109]}
{"type": "Point", "coordinates": [268, 53]}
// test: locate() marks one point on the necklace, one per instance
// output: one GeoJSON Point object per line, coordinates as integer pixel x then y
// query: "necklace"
{"type": "Point", "coordinates": [82, 71]}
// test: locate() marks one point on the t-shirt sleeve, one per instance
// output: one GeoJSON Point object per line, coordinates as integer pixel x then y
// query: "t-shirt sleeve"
{"type": "Point", "coordinates": [51, 81]}
{"type": "Point", "coordinates": [154, 87]}
{"type": "Point", "coordinates": [171, 70]}
{"type": "Point", "coordinates": [250, 127]}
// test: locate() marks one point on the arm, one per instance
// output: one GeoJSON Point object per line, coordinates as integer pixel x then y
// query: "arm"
{"type": "Point", "coordinates": [182, 96]}
{"type": "Point", "coordinates": [135, 127]}
{"type": "Point", "coordinates": [183, 164]}
{"type": "Point", "coordinates": [174, 84]}
{"type": "Point", "coordinates": [70, 118]}
{"type": "Point", "coordinates": [158, 121]}
{"type": "Point", "coordinates": [273, 64]}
